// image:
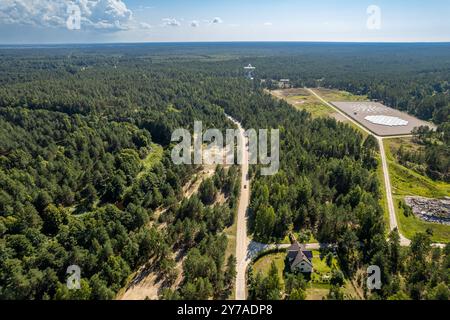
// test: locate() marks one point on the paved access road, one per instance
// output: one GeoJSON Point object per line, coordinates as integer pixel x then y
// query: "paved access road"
{"type": "Point", "coordinates": [242, 240]}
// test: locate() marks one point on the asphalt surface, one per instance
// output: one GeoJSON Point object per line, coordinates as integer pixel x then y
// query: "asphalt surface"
{"type": "Point", "coordinates": [358, 111]}
{"type": "Point", "coordinates": [242, 240]}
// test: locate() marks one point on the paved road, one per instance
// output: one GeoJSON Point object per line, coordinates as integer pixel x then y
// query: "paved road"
{"type": "Point", "coordinates": [387, 181]}
{"type": "Point", "coordinates": [390, 201]}
{"type": "Point", "coordinates": [242, 240]}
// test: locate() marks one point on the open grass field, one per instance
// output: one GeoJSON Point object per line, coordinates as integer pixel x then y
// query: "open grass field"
{"type": "Point", "coordinates": [407, 182]}
{"type": "Point", "coordinates": [301, 99]}
{"type": "Point", "coordinates": [338, 95]}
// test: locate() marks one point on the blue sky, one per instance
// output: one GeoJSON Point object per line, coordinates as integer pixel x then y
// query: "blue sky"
{"type": "Point", "coordinates": [44, 21]}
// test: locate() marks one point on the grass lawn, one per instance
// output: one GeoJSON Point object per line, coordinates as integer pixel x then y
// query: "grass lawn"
{"type": "Point", "coordinates": [319, 287]}
{"type": "Point", "coordinates": [320, 265]}
{"type": "Point", "coordinates": [317, 291]}
{"type": "Point", "coordinates": [263, 264]}
{"type": "Point", "coordinates": [406, 182]}
{"type": "Point", "coordinates": [316, 109]}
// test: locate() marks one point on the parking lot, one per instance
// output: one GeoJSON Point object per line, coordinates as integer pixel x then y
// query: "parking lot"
{"type": "Point", "coordinates": [397, 119]}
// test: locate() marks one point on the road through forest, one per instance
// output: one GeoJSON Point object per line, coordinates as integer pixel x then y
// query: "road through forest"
{"type": "Point", "coordinates": [242, 240]}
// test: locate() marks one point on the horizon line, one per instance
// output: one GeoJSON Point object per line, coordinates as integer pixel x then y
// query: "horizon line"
{"type": "Point", "coordinates": [218, 42]}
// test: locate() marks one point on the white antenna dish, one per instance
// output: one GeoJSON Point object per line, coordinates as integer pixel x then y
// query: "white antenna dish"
{"type": "Point", "coordinates": [249, 71]}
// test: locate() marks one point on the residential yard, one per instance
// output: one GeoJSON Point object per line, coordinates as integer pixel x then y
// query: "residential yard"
{"type": "Point", "coordinates": [263, 264]}
{"type": "Point", "coordinates": [318, 286]}
{"type": "Point", "coordinates": [407, 182]}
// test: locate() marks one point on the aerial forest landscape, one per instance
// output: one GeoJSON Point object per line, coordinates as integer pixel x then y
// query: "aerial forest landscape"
{"type": "Point", "coordinates": [338, 188]}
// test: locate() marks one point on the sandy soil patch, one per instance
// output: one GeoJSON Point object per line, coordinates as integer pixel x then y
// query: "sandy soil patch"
{"type": "Point", "coordinates": [147, 283]}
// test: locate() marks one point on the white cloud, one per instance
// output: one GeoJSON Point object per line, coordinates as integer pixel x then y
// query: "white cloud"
{"type": "Point", "coordinates": [217, 20]}
{"type": "Point", "coordinates": [112, 15]}
{"type": "Point", "coordinates": [195, 24]}
{"type": "Point", "coordinates": [172, 22]}
{"type": "Point", "coordinates": [144, 25]}
{"type": "Point", "coordinates": [268, 24]}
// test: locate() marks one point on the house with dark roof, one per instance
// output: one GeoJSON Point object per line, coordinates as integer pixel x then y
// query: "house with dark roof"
{"type": "Point", "coordinates": [299, 258]}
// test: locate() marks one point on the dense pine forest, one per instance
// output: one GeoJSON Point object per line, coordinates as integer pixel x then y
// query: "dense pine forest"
{"type": "Point", "coordinates": [86, 176]}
